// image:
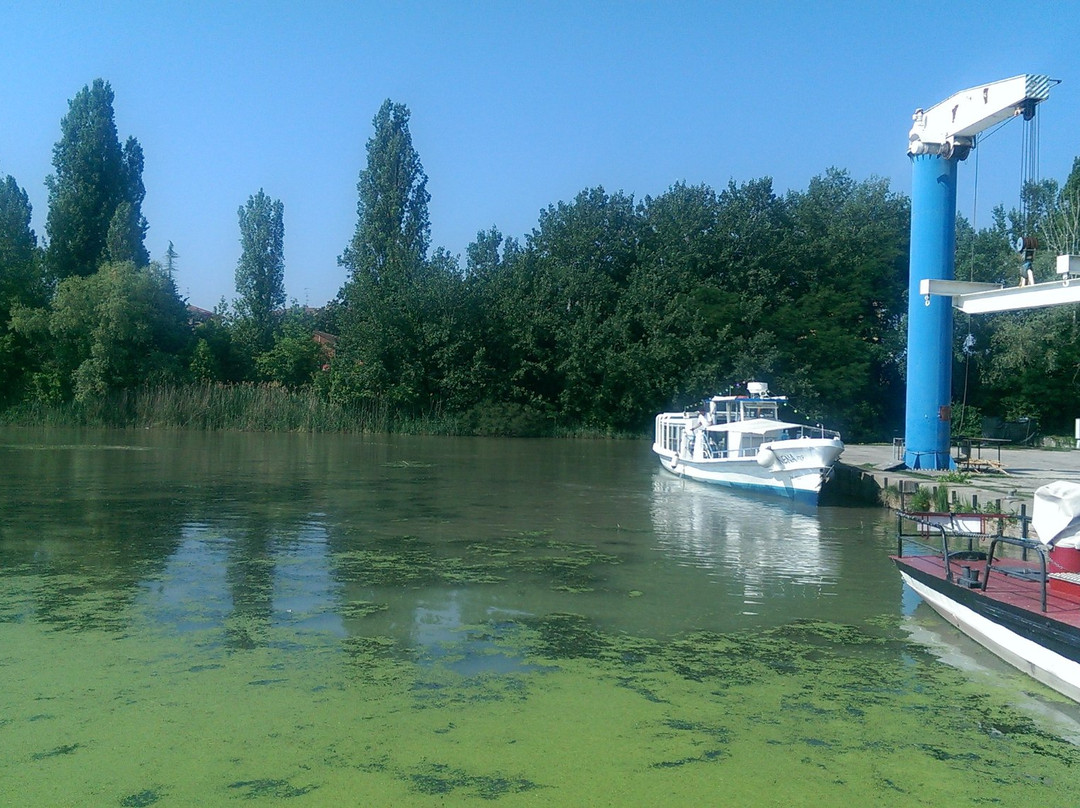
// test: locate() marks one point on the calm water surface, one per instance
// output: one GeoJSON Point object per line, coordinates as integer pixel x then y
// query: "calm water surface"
{"type": "Point", "coordinates": [191, 619]}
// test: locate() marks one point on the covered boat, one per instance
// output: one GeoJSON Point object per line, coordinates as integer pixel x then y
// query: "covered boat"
{"type": "Point", "coordinates": [740, 441]}
{"type": "Point", "coordinates": [1024, 608]}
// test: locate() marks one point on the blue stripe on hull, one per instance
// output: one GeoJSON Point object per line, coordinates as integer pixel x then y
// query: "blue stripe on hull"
{"type": "Point", "coordinates": [784, 492]}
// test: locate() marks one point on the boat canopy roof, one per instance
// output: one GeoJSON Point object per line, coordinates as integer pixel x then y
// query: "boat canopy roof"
{"type": "Point", "coordinates": [779, 399]}
{"type": "Point", "coordinates": [1056, 515]}
{"type": "Point", "coordinates": [755, 426]}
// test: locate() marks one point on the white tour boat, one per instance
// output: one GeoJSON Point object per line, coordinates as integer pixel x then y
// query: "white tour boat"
{"type": "Point", "coordinates": [740, 441]}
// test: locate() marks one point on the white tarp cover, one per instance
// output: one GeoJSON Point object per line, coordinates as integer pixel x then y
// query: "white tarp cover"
{"type": "Point", "coordinates": [754, 426]}
{"type": "Point", "coordinates": [1056, 515]}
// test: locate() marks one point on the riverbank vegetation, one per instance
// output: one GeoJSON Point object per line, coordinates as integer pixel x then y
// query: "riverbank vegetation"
{"type": "Point", "coordinates": [610, 309]}
{"type": "Point", "coordinates": [264, 407]}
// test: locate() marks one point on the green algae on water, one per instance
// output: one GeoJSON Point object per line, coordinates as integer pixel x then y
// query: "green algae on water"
{"type": "Point", "coordinates": [553, 707]}
{"type": "Point", "coordinates": [143, 799]}
{"type": "Point", "coordinates": [358, 609]}
{"type": "Point", "coordinates": [409, 561]}
{"type": "Point", "coordinates": [599, 716]}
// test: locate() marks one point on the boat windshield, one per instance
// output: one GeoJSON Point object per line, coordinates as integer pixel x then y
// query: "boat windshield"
{"type": "Point", "coordinates": [759, 409]}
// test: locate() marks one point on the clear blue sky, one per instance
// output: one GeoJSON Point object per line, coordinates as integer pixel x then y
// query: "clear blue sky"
{"type": "Point", "coordinates": [515, 105]}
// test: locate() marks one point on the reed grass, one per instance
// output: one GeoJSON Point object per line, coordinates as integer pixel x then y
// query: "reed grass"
{"type": "Point", "coordinates": [271, 408]}
{"type": "Point", "coordinates": [206, 407]}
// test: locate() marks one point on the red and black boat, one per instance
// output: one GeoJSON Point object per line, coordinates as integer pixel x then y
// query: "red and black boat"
{"type": "Point", "coordinates": [1019, 597]}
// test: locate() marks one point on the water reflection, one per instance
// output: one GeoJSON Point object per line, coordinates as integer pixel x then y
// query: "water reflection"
{"type": "Point", "coordinates": [244, 580]}
{"type": "Point", "coordinates": [81, 543]}
{"type": "Point", "coordinates": [761, 545]}
{"type": "Point", "coordinates": [947, 643]}
{"type": "Point", "coordinates": [403, 538]}
{"type": "Point", "coordinates": [190, 592]}
{"type": "Point", "coordinates": [444, 632]}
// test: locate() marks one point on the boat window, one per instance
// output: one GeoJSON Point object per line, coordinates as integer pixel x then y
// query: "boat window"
{"type": "Point", "coordinates": [759, 411]}
{"type": "Point", "coordinates": [671, 435]}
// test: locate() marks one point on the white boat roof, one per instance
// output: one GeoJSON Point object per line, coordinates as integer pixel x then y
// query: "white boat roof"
{"type": "Point", "coordinates": [779, 399]}
{"type": "Point", "coordinates": [755, 426]}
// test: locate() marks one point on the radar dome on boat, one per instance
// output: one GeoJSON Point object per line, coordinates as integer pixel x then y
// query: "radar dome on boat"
{"type": "Point", "coordinates": [757, 388]}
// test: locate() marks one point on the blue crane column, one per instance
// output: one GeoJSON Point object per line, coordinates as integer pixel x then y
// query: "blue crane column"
{"type": "Point", "coordinates": [929, 347]}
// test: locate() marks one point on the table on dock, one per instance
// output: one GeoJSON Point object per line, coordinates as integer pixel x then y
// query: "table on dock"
{"type": "Point", "coordinates": [965, 461]}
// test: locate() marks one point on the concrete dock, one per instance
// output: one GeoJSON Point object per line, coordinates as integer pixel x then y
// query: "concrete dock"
{"type": "Point", "coordinates": [870, 471]}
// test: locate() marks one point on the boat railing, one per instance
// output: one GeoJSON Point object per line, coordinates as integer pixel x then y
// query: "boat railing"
{"type": "Point", "coordinates": [1027, 573]}
{"type": "Point", "coordinates": [816, 431]}
{"type": "Point", "coordinates": [972, 578]}
{"type": "Point", "coordinates": [970, 525]}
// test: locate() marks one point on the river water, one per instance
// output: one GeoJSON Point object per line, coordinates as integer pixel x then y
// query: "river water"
{"type": "Point", "coordinates": [206, 619]}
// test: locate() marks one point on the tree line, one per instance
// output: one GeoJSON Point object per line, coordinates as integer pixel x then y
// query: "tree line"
{"type": "Point", "coordinates": [608, 311]}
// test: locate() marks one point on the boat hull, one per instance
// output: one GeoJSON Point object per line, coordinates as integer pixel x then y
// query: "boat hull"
{"type": "Point", "coordinates": [797, 471]}
{"type": "Point", "coordinates": [1044, 648]}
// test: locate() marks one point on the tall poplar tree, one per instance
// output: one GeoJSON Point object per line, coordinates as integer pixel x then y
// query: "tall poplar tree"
{"type": "Point", "coordinates": [96, 192]}
{"type": "Point", "coordinates": [260, 273]}
{"type": "Point", "coordinates": [392, 229]}
{"type": "Point", "coordinates": [380, 352]}
{"type": "Point", "coordinates": [20, 279]}
{"type": "Point", "coordinates": [21, 283]}
{"type": "Point", "coordinates": [170, 260]}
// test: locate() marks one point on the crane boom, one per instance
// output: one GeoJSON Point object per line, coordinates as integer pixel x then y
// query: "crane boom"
{"type": "Point", "coordinates": [949, 128]}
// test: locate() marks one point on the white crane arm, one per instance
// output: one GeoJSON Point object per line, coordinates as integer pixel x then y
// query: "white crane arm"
{"type": "Point", "coordinates": [950, 127]}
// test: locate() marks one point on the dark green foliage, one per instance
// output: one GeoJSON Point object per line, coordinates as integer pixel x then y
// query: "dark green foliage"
{"type": "Point", "coordinates": [20, 276]}
{"type": "Point", "coordinates": [613, 311]}
{"type": "Point", "coordinates": [1025, 364]}
{"type": "Point", "coordinates": [21, 283]}
{"type": "Point", "coordinates": [398, 307]}
{"type": "Point", "coordinates": [170, 261]}
{"type": "Point", "coordinates": [392, 230]}
{"type": "Point", "coordinates": [217, 355]}
{"type": "Point", "coordinates": [204, 365]}
{"type": "Point", "coordinates": [94, 178]}
{"type": "Point", "coordinates": [846, 302]}
{"type": "Point", "coordinates": [578, 263]}
{"type": "Point", "coordinates": [124, 240]}
{"type": "Point", "coordinates": [966, 422]}
{"type": "Point", "coordinates": [503, 419]}
{"type": "Point", "coordinates": [260, 273]}
{"type": "Point", "coordinates": [294, 359]}
{"type": "Point", "coordinates": [120, 327]}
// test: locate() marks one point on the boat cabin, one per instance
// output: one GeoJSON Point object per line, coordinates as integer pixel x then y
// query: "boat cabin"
{"type": "Point", "coordinates": [690, 435]}
{"type": "Point", "coordinates": [730, 427]}
{"type": "Point", "coordinates": [729, 409]}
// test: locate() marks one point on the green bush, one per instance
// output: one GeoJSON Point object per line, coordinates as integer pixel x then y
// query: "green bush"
{"type": "Point", "coordinates": [919, 501]}
{"type": "Point", "coordinates": [506, 419]}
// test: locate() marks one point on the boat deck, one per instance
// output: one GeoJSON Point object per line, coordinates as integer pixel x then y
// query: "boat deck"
{"type": "Point", "coordinates": [1019, 587]}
